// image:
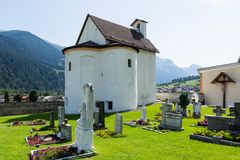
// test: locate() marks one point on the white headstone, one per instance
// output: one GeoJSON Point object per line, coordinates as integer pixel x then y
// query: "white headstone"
{"type": "Point", "coordinates": [118, 124]}
{"type": "Point", "coordinates": [143, 113]}
{"type": "Point", "coordinates": [61, 115]}
{"type": "Point", "coordinates": [197, 109]}
{"type": "Point", "coordinates": [84, 130]}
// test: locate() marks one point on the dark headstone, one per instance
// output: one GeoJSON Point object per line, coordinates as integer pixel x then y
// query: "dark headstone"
{"type": "Point", "coordinates": [237, 114]}
{"type": "Point", "coordinates": [218, 123]}
{"type": "Point", "coordinates": [219, 111]}
{"type": "Point", "coordinates": [52, 125]}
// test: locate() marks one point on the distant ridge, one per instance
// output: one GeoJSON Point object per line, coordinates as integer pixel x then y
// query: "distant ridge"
{"type": "Point", "coordinates": [167, 70]}
{"type": "Point", "coordinates": [29, 62]}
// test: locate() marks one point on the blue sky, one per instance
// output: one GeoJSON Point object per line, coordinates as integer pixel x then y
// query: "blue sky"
{"type": "Point", "coordinates": [204, 32]}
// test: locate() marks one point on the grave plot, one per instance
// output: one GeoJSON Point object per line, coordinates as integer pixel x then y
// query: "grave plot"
{"type": "Point", "coordinates": [29, 123]}
{"type": "Point", "coordinates": [221, 130]}
{"type": "Point", "coordinates": [83, 145]}
{"type": "Point", "coordinates": [140, 122]}
{"type": "Point", "coordinates": [64, 133]}
{"type": "Point", "coordinates": [59, 153]}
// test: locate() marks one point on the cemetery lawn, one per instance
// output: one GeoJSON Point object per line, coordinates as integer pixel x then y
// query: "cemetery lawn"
{"type": "Point", "coordinates": [136, 143]}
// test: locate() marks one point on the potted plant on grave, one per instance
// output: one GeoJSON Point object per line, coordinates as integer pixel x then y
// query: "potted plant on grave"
{"type": "Point", "coordinates": [183, 102]}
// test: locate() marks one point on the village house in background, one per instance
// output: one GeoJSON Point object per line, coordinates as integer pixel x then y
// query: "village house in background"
{"type": "Point", "coordinates": [118, 61]}
{"type": "Point", "coordinates": [221, 84]}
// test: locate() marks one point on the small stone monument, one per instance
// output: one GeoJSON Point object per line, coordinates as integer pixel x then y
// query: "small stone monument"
{"type": "Point", "coordinates": [118, 124]}
{"type": "Point", "coordinates": [143, 116]}
{"type": "Point", "coordinates": [197, 109]}
{"type": "Point", "coordinates": [66, 130]}
{"type": "Point", "coordinates": [177, 108]}
{"type": "Point", "coordinates": [61, 115]}
{"type": "Point", "coordinates": [84, 129]}
{"type": "Point", "coordinates": [52, 124]}
{"type": "Point", "coordinates": [237, 114]}
{"type": "Point", "coordinates": [219, 111]}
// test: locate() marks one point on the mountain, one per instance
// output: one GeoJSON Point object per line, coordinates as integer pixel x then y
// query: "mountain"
{"type": "Point", "coordinates": [192, 70]}
{"type": "Point", "coordinates": [29, 62]}
{"type": "Point", "coordinates": [167, 70]}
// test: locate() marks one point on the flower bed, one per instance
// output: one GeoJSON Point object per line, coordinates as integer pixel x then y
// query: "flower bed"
{"type": "Point", "coordinates": [156, 129]}
{"type": "Point", "coordinates": [44, 139]}
{"type": "Point", "coordinates": [59, 153]}
{"type": "Point", "coordinates": [202, 123]}
{"type": "Point", "coordinates": [221, 137]}
{"type": "Point", "coordinates": [137, 123]}
{"type": "Point", "coordinates": [29, 123]}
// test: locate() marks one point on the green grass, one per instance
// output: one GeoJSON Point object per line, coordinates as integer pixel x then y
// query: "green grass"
{"type": "Point", "coordinates": [135, 144]}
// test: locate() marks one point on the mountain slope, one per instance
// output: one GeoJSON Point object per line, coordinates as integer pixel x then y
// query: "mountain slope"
{"type": "Point", "coordinates": [167, 70]}
{"type": "Point", "coordinates": [28, 62]}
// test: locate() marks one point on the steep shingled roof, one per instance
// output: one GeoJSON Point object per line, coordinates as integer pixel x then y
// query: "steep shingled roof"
{"type": "Point", "coordinates": [123, 35]}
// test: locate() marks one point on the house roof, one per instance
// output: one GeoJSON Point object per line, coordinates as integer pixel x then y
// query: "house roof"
{"type": "Point", "coordinates": [120, 34]}
{"type": "Point", "coordinates": [90, 44]}
{"type": "Point", "coordinates": [219, 67]}
{"type": "Point", "coordinates": [222, 78]}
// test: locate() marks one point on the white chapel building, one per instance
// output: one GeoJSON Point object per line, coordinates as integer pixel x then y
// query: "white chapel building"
{"type": "Point", "coordinates": [118, 61]}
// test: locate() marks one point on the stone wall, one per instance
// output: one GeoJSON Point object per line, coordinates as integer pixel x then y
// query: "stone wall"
{"type": "Point", "coordinates": [174, 97]}
{"type": "Point", "coordinates": [14, 108]}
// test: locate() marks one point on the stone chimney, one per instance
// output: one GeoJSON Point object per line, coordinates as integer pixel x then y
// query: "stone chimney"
{"type": "Point", "coordinates": [140, 26]}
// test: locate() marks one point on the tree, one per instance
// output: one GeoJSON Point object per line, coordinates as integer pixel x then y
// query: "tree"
{"type": "Point", "coordinates": [33, 97]}
{"type": "Point", "coordinates": [17, 98]}
{"type": "Point", "coordinates": [6, 97]}
{"type": "Point", "coordinates": [46, 94]}
{"type": "Point", "coordinates": [183, 102]}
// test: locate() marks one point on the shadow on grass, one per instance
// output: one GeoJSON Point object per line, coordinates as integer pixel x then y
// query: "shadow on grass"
{"type": "Point", "coordinates": [45, 116]}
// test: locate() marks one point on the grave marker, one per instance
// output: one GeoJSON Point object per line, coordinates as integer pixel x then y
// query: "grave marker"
{"type": "Point", "coordinates": [61, 115]}
{"type": "Point", "coordinates": [219, 111]}
{"type": "Point", "coordinates": [52, 124]}
{"type": "Point", "coordinates": [118, 124]}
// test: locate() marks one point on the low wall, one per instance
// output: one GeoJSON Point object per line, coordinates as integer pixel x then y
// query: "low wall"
{"type": "Point", "coordinates": [174, 96]}
{"type": "Point", "coordinates": [15, 108]}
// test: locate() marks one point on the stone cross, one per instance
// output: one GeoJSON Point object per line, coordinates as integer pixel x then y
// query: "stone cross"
{"type": "Point", "coordinates": [219, 111]}
{"type": "Point", "coordinates": [237, 114]}
{"type": "Point", "coordinates": [118, 124]}
{"type": "Point", "coordinates": [197, 109]}
{"type": "Point", "coordinates": [84, 129]}
{"type": "Point", "coordinates": [61, 115]}
{"type": "Point", "coordinates": [52, 125]}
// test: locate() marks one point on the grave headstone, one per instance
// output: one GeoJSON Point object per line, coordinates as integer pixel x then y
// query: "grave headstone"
{"type": "Point", "coordinates": [170, 120]}
{"type": "Point", "coordinates": [118, 124]}
{"type": "Point", "coordinates": [66, 130]}
{"type": "Point", "coordinates": [219, 111]}
{"type": "Point", "coordinates": [101, 117]}
{"type": "Point", "coordinates": [237, 114]}
{"type": "Point", "coordinates": [231, 110]}
{"type": "Point", "coordinates": [52, 124]}
{"type": "Point", "coordinates": [143, 116]}
{"type": "Point", "coordinates": [163, 108]}
{"type": "Point", "coordinates": [177, 108]}
{"type": "Point", "coordinates": [61, 115]}
{"type": "Point", "coordinates": [197, 109]}
{"type": "Point", "coordinates": [84, 129]}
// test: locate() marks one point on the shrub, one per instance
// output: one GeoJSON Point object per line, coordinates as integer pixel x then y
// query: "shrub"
{"type": "Point", "coordinates": [17, 98]}
{"type": "Point", "coordinates": [33, 97]}
{"type": "Point", "coordinates": [184, 101]}
{"type": "Point", "coordinates": [6, 97]}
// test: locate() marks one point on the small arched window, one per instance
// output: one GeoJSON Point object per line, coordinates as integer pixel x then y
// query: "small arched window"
{"type": "Point", "coordinates": [69, 66]}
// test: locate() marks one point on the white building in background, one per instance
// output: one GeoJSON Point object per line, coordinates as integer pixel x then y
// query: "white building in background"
{"type": "Point", "coordinates": [118, 61]}
{"type": "Point", "coordinates": [221, 84]}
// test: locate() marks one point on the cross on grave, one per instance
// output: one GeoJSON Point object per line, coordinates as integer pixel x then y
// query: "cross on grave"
{"type": "Point", "coordinates": [219, 111]}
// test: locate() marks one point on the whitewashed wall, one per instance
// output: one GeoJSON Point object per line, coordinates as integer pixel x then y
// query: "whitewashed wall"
{"type": "Point", "coordinates": [92, 33]}
{"type": "Point", "coordinates": [146, 73]}
{"type": "Point", "coordinates": [109, 73]}
{"type": "Point", "coordinates": [213, 92]}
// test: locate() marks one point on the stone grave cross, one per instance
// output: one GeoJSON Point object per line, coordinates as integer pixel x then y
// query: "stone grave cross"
{"type": "Point", "coordinates": [219, 111]}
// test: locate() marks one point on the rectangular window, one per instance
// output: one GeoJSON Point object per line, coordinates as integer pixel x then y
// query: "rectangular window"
{"type": "Point", "coordinates": [69, 66]}
{"type": "Point", "coordinates": [129, 63]}
{"type": "Point", "coordinates": [110, 105]}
